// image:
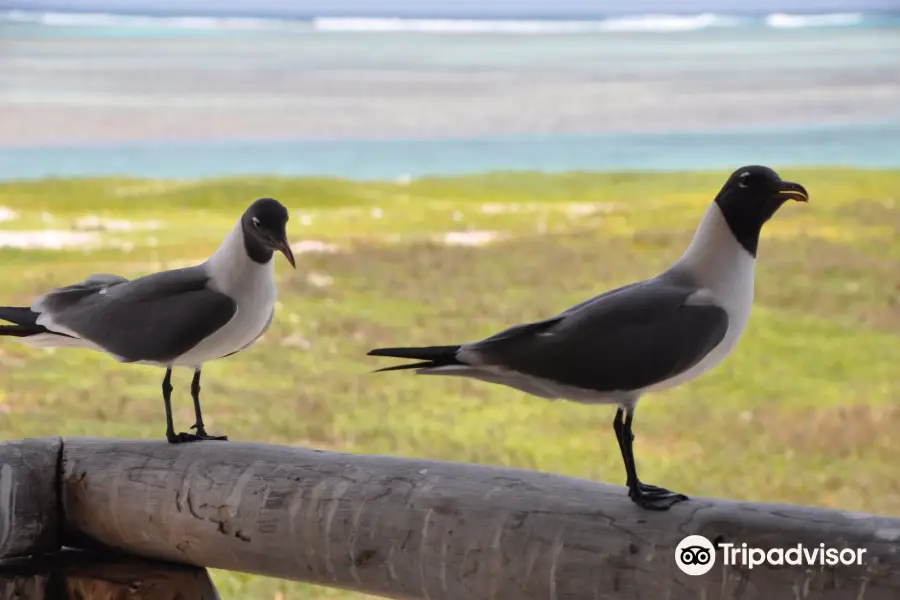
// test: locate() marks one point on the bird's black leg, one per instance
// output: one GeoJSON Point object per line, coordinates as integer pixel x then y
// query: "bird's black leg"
{"type": "Point", "coordinates": [178, 438]}
{"type": "Point", "coordinates": [198, 425]}
{"type": "Point", "coordinates": [167, 399]}
{"type": "Point", "coordinates": [619, 428]}
{"type": "Point", "coordinates": [195, 394]}
{"type": "Point", "coordinates": [646, 496]}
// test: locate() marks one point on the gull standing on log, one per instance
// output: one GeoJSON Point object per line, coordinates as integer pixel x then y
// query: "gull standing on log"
{"type": "Point", "coordinates": [644, 337]}
{"type": "Point", "coordinates": [177, 318]}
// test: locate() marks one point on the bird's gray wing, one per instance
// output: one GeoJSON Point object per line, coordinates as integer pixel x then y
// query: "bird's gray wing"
{"type": "Point", "coordinates": [70, 293]}
{"type": "Point", "coordinates": [154, 318]}
{"type": "Point", "coordinates": [517, 331]}
{"type": "Point", "coordinates": [624, 340]}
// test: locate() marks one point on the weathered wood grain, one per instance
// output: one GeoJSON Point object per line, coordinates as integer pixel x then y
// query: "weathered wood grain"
{"type": "Point", "coordinates": [79, 575]}
{"type": "Point", "coordinates": [28, 496]}
{"type": "Point", "coordinates": [420, 529]}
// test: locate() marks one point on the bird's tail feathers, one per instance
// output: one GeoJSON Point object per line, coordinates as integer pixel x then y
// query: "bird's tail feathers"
{"type": "Point", "coordinates": [429, 357]}
{"type": "Point", "coordinates": [24, 322]}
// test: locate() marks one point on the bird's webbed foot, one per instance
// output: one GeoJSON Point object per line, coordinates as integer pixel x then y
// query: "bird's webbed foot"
{"type": "Point", "coordinates": [200, 436]}
{"type": "Point", "coordinates": [652, 497]}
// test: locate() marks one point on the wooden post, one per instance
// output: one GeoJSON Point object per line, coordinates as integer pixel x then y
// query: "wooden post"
{"type": "Point", "coordinates": [78, 575]}
{"type": "Point", "coordinates": [28, 496]}
{"type": "Point", "coordinates": [429, 530]}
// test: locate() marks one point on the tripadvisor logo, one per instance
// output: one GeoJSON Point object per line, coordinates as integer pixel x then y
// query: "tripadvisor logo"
{"type": "Point", "coordinates": [696, 555]}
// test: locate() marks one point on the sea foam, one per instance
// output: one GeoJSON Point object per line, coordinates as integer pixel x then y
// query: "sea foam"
{"type": "Point", "coordinates": [650, 23]}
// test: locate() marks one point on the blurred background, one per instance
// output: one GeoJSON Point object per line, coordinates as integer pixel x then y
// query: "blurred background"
{"type": "Point", "coordinates": [451, 168]}
{"type": "Point", "coordinates": [387, 88]}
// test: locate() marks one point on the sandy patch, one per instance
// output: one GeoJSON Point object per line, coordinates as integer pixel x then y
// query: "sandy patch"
{"type": "Point", "coordinates": [144, 188]}
{"type": "Point", "coordinates": [498, 208]}
{"type": "Point", "coordinates": [48, 239]}
{"type": "Point", "coordinates": [95, 223]}
{"type": "Point", "coordinates": [494, 208]}
{"type": "Point", "coordinates": [84, 234]}
{"type": "Point", "coordinates": [313, 246]}
{"type": "Point", "coordinates": [152, 267]}
{"type": "Point", "coordinates": [469, 238]}
{"type": "Point", "coordinates": [574, 209]}
{"type": "Point", "coordinates": [319, 280]}
{"type": "Point", "coordinates": [584, 209]}
{"type": "Point", "coordinates": [296, 340]}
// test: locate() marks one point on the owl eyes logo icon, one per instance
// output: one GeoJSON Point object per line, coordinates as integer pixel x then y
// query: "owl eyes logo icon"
{"type": "Point", "coordinates": [695, 555]}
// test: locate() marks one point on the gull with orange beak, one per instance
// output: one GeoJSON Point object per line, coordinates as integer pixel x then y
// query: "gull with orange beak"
{"type": "Point", "coordinates": [643, 337]}
{"type": "Point", "coordinates": [178, 318]}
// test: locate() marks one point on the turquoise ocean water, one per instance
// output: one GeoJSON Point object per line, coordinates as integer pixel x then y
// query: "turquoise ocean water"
{"type": "Point", "coordinates": [163, 96]}
{"type": "Point", "coordinates": [866, 145]}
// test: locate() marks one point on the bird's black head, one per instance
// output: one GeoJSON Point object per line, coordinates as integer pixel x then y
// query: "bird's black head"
{"type": "Point", "coordinates": [750, 197]}
{"type": "Point", "coordinates": [265, 230]}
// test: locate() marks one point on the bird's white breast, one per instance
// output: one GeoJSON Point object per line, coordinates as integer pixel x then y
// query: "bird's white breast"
{"type": "Point", "coordinates": [251, 285]}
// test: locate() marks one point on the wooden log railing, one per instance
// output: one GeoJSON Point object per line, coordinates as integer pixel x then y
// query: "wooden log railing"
{"type": "Point", "coordinates": [414, 529]}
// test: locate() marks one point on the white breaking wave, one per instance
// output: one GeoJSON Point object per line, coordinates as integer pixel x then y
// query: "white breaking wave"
{"type": "Point", "coordinates": [525, 26]}
{"type": "Point", "coordinates": [660, 23]}
{"type": "Point", "coordinates": [789, 21]}
{"type": "Point", "coordinates": [64, 19]}
{"type": "Point", "coordinates": [670, 22]}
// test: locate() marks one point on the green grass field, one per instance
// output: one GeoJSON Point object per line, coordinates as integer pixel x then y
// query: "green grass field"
{"type": "Point", "coordinates": [806, 410]}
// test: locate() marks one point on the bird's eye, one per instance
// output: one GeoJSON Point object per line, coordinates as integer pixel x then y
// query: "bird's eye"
{"type": "Point", "coordinates": [744, 179]}
{"type": "Point", "coordinates": [255, 222]}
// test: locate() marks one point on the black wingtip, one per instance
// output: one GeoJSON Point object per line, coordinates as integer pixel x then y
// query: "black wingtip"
{"type": "Point", "coordinates": [18, 331]}
{"type": "Point", "coordinates": [418, 365]}
{"type": "Point", "coordinates": [417, 353]}
{"type": "Point", "coordinates": [20, 315]}
{"type": "Point", "coordinates": [24, 322]}
{"type": "Point", "coordinates": [431, 356]}
{"type": "Point", "coordinates": [398, 352]}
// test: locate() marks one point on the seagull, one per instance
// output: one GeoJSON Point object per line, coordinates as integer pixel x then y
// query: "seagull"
{"type": "Point", "coordinates": [643, 337]}
{"type": "Point", "coordinates": [177, 318]}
